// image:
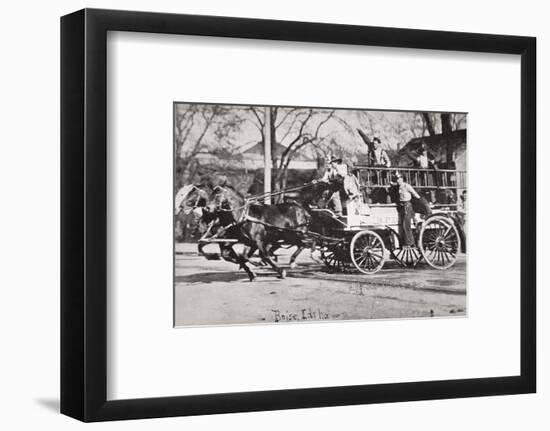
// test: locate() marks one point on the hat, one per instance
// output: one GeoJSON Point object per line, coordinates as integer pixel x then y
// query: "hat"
{"type": "Point", "coordinates": [396, 175]}
{"type": "Point", "coordinates": [376, 139]}
{"type": "Point", "coordinates": [336, 160]}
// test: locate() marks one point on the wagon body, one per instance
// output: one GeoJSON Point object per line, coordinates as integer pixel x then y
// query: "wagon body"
{"type": "Point", "coordinates": [366, 241]}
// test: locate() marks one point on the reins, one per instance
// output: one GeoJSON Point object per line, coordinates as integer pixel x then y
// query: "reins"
{"type": "Point", "coordinates": [262, 196]}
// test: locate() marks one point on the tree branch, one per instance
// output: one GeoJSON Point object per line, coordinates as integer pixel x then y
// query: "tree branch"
{"type": "Point", "coordinates": [428, 123]}
{"type": "Point", "coordinates": [208, 123]}
{"type": "Point", "coordinates": [253, 110]}
{"type": "Point", "coordinates": [300, 134]}
{"type": "Point", "coordinates": [290, 111]}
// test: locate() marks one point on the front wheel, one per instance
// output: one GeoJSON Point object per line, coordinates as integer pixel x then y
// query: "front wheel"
{"type": "Point", "coordinates": [439, 242]}
{"type": "Point", "coordinates": [367, 252]}
{"type": "Point", "coordinates": [336, 257]}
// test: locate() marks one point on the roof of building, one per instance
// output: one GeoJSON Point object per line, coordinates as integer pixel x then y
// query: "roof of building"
{"type": "Point", "coordinates": [258, 149]}
{"type": "Point", "coordinates": [435, 141]}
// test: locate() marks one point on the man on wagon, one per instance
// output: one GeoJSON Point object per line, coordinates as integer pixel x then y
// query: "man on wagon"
{"type": "Point", "coordinates": [405, 194]}
{"type": "Point", "coordinates": [335, 174]}
{"type": "Point", "coordinates": [376, 178]}
{"type": "Point", "coordinates": [424, 159]}
{"type": "Point", "coordinates": [380, 157]}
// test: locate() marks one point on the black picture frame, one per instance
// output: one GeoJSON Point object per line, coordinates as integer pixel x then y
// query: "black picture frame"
{"type": "Point", "coordinates": [84, 214]}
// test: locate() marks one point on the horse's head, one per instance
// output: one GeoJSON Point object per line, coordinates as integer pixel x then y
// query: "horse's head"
{"type": "Point", "coordinates": [224, 199]}
{"type": "Point", "coordinates": [315, 194]}
{"type": "Point", "coordinates": [191, 199]}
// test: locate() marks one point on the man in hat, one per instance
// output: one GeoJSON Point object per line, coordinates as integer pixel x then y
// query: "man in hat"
{"type": "Point", "coordinates": [404, 195]}
{"type": "Point", "coordinates": [334, 175]}
{"type": "Point", "coordinates": [424, 158]}
{"type": "Point", "coordinates": [380, 156]}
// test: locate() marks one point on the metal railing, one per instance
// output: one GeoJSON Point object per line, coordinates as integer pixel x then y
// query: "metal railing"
{"type": "Point", "coordinates": [438, 186]}
{"type": "Point", "coordinates": [417, 177]}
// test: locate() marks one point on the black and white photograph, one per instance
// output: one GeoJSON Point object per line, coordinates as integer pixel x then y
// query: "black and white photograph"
{"type": "Point", "coordinates": [298, 214]}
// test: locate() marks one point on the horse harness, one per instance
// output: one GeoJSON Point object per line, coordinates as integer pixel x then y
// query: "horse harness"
{"type": "Point", "coordinates": [245, 217]}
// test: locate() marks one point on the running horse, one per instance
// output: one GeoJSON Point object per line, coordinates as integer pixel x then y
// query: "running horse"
{"type": "Point", "coordinates": [190, 201]}
{"type": "Point", "coordinates": [189, 198]}
{"type": "Point", "coordinates": [260, 227]}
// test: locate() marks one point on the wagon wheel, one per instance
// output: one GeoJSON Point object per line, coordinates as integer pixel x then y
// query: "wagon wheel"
{"type": "Point", "coordinates": [336, 257]}
{"type": "Point", "coordinates": [367, 252]}
{"type": "Point", "coordinates": [439, 242]}
{"type": "Point", "coordinates": [405, 256]}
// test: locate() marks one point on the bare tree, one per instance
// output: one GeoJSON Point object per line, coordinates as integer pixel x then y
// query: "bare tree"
{"type": "Point", "coordinates": [293, 129]}
{"type": "Point", "coordinates": [200, 129]}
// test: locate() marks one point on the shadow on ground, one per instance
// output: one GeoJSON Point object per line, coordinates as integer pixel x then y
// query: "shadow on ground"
{"type": "Point", "coordinates": [211, 277]}
{"type": "Point", "coordinates": [51, 404]}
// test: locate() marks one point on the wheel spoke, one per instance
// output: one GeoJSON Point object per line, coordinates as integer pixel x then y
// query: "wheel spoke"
{"type": "Point", "coordinates": [444, 257]}
{"type": "Point", "coordinates": [367, 263]}
{"type": "Point", "coordinates": [373, 262]}
{"type": "Point", "coordinates": [363, 258]}
{"type": "Point", "coordinates": [379, 256]}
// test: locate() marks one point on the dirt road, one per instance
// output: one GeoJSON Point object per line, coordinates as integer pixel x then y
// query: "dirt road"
{"type": "Point", "coordinates": [217, 292]}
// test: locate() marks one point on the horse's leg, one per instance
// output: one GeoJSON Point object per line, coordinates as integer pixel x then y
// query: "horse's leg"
{"type": "Point", "coordinates": [251, 252]}
{"type": "Point", "coordinates": [273, 255]}
{"type": "Point", "coordinates": [244, 258]}
{"type": "Point", "coordinates": [295, 255]}
{"type": "Point", "coordinates": [208, 256]}
{"type": "Point", "coordinates": [264, 253]}
{"type": "Point", "coordinates": [230, 255]}
{"type": "Point", "coordinates": [242, 263]}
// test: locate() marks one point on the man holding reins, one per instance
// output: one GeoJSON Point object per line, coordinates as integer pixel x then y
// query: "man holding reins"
{"type": "Point", "coordinates": [334, 175]}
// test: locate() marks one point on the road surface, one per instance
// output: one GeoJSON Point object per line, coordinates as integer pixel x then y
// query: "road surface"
{"type": "Point", "coordinates": [214, 292]}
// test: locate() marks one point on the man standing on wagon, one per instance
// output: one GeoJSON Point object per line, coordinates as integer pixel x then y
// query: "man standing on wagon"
{"type": "Point", "coordinates": [334, 175]}
{"type": "Point", "coordinates": [404, 209]}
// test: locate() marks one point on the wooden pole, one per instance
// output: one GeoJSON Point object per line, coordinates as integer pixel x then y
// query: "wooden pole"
{"type": "Point", "coordinates": [267, 154]}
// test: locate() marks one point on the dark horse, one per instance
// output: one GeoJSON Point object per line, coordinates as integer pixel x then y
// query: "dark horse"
{"type": "Point", "coordinates": [316, 196]}
{"type": "Point", "coordinates": [257, 226]}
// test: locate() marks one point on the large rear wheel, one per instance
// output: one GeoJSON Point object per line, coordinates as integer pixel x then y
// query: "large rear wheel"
{"type": "Point", "coordinates": [367, 252]}
{"type": "Point", "coordinates": [439, 242]}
